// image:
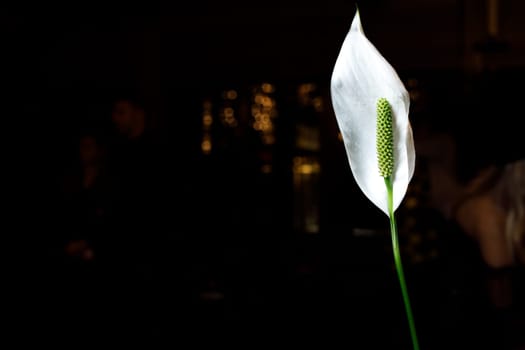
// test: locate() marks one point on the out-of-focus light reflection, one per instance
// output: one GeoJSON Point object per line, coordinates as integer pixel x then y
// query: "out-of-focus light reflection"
{"type": "Point", "coordinates": [305, 95]}
{"type": "Point", "coordinates": [306, 171]}
{"type": "Point", "coordinates": [230, 95]}
{"type": "Point", "coordinates": [318, 104]}
{"type": "Point", "coordinates": [306, 166]}
{"type": "Point", "coordinates": [228, 117]}
{"type": "Point", "coordinates": [269, 139]}
{"type": "Point", "coordinates": [206, 145]}
{"type": "Point", "coordinates": [263, 111]}
{"type": "Point", "coordinates": [228, 112]}
{"type": "Point", "coordinates": [207, 121]}
{"type": "Point", "coordinates": [267, 88]}
{"type": "Point", "coordinates": [266, 168]}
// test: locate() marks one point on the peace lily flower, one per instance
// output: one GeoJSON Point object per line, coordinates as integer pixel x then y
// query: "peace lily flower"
{"type": "Point", "coordinates": [371, 106]}
{"type": "Point", "coordinates": [361, 77]}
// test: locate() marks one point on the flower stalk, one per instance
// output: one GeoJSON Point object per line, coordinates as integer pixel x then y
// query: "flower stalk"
{"type": "Point", "coordinates": [371, 107]}
{"type": "Point", "coordinates": [385, 158]}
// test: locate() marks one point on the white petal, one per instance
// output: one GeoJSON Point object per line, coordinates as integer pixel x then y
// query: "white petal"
{"type": "Point", "coordinates": [361, 75]}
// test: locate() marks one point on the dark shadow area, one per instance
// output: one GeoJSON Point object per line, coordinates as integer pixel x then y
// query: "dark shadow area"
{"type": "Point", "coordinates": [180, 178]}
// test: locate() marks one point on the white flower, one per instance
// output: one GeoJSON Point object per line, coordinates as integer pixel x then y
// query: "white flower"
{"type": "Point", "coordinates": [360, 78]}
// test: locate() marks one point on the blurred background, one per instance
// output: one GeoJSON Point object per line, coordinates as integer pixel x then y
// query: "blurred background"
{"type": "Point", "coordinates": [183, 177]}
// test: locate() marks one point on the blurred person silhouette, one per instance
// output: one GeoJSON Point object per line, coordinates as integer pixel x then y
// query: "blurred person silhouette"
{"type": "Point", "coordinates": [83, 250]}
{"type": "Point", "coordinates": [136, 159]}
{"type": "Point", "coordinates": [144, 213]}
{"type": "Point", "coordinates": [497, 186]}
{"type": "Point", "coordinates": [87, 198]}
{"type": "Point", "coordinates": [477, 182]}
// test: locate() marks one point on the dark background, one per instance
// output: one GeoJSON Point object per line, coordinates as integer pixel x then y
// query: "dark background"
{"type": "Point", "coordinates": [227, 228]}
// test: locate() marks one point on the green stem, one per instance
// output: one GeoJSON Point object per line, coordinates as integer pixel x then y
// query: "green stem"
{"type": "Point", "coordinates": [398, 264]}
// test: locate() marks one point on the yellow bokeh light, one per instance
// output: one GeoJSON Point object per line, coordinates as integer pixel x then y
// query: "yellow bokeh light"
{"type": "Point", "coordinates": [305, 166]}
{"type": "Point", "coordinates": [267, 88]}
{"type": "Point", "coordinates": [206, 145]}
{"type": "Point", "coordinates": [411, 202]}
{"type": "Point", "coordinates": [318, 104]}
{"type": "Point", "coordinates": [207, 120]}
{"type": "Point", "coordinates": [268, 138]}
{"type": "Point", "coordinates": [231, 94]}
{"type": "Point", "coordinates": [305, 169]}
{"type": "Point", "coordinates": [228, 112]}
{"type": "Point", "coordinates": [266, 168]}
{"type": "Point", "coordinates": [266, 101]}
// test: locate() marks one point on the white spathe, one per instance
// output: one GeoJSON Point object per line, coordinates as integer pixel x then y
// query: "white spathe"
{"type": "Point", "coordinates": [360, 77]}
